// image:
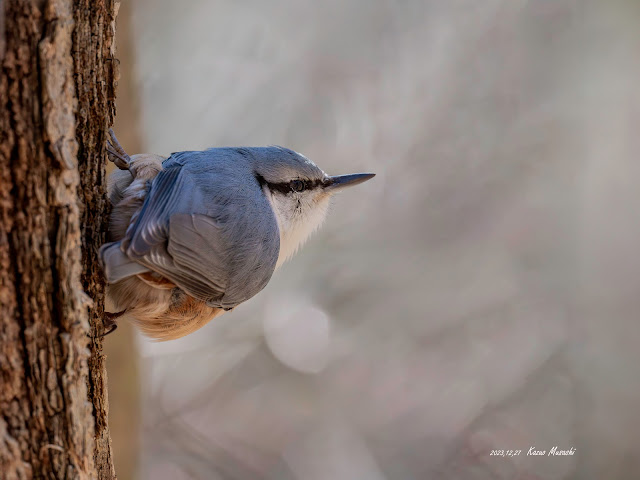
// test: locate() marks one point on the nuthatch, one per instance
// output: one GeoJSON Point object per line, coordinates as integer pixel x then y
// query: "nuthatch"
{"type": "Point", "coordinates": [196, 234]}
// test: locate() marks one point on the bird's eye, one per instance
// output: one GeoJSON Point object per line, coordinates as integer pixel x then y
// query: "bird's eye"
{"type": "Point", "coordinates": [297, 185]}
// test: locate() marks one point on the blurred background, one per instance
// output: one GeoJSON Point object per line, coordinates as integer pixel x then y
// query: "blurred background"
{"type": "Point", "coordinates": [482, 292]}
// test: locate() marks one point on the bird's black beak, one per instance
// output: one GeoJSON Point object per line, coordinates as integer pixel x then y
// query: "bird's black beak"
{"type": "Point", "coordinates": [333, 184]}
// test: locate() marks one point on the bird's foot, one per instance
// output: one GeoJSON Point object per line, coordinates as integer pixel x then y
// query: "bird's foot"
{"type": "Point", "coordinates": [110, 322]}
{"type": "Point", "coordinates": [116, 153]}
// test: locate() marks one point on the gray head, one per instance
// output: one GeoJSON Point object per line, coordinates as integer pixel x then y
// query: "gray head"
{"type": "Point", "coordinates": [298, 191]}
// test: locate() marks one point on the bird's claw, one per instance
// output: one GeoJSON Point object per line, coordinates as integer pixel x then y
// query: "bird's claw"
{"type": "Point", "coordinates": [116, 153]}
{"type": "Point", "coordinates": [110, 322]}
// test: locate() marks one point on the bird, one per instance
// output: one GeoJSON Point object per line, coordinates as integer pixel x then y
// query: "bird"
{"type": "Point", "coordinates": [193, 235]}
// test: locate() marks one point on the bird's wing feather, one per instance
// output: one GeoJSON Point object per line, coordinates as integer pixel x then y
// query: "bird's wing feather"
{"type": "Point", "coordinates": [183, 233]}
{"type": "Point", "coordinates": [151, 226]}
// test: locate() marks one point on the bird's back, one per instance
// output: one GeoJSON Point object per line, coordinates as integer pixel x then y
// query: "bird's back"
{"type": "Point", "coordinates": [206, 226]}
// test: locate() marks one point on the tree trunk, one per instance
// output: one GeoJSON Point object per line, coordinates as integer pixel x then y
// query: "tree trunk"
{"type": "Point", "coordinates": [56, 96]}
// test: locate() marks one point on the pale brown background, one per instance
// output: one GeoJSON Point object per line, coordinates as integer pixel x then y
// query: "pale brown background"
{"type": "Point", "coordinates": [481, 292]}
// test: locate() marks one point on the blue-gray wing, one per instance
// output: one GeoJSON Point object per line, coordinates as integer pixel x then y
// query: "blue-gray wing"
{"type": "Point", "coordinates": [219, 246]}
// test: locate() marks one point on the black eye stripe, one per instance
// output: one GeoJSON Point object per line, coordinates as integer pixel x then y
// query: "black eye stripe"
{"type": "Point", "coordinates": [283, 188]}
{"type": "Point", "coordinates": [286, 187]}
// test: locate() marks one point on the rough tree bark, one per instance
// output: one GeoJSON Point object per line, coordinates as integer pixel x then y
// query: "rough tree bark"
{"type": "Point", "coordinates": [56, 103]}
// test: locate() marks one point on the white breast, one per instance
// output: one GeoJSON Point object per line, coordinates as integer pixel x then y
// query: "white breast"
{"type": "Point", "coordinates": [295, 228]}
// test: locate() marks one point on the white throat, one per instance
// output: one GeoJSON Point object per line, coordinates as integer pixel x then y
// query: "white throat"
{"type": "Point", "coordinates": [296, 227]}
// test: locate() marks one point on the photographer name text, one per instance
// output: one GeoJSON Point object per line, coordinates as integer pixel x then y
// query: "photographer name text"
{"type": "Point", "coordinates": [533, 451]}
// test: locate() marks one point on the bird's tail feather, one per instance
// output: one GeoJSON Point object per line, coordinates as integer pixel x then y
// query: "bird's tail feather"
{"type": "Point", "coordinates": [116, 264]}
